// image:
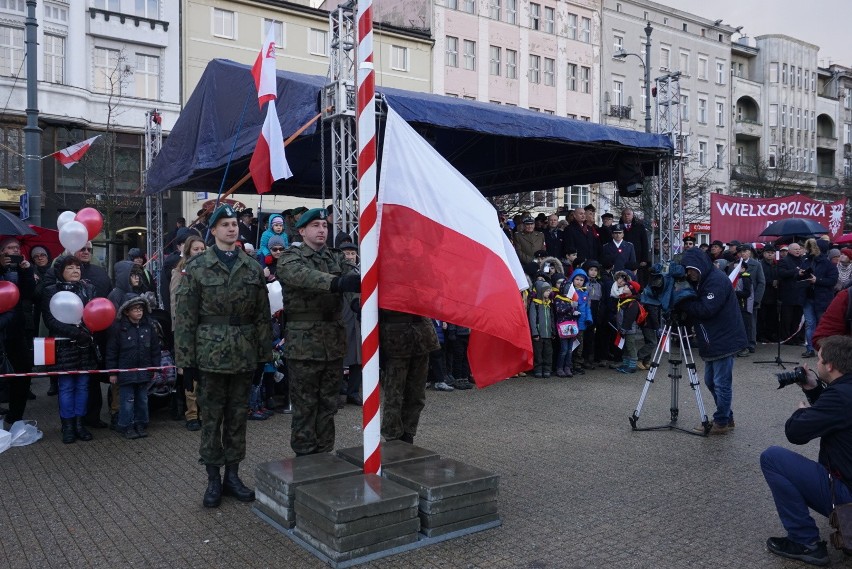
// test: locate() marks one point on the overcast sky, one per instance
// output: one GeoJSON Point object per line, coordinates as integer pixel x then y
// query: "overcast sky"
{"type": "Point", "coordinates": [825, 23]}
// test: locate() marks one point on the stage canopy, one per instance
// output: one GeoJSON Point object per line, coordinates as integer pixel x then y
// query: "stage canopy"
{"type": "Point", "coordinates": [500, 149]}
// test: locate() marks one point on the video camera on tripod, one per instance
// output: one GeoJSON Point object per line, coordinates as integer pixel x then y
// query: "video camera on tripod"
{"type": "Point", "coordinates": [667, 288]}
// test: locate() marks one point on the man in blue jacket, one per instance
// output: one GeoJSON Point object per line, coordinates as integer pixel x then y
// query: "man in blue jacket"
{"type": "Point", "coordinates": [719, 330]}
{"type": "Point", "coordinates": [798, 483]}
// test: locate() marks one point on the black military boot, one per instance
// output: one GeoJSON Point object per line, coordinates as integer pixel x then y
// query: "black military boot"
{"type": "Point", "coordinates": [407, 438]}
{"type": "Point", "coordinates": [233, 486]}
{"type": "Point", "coordinates": [82, 433]}
{"type": "Point", "coordinates": [213, 494]}
{"type": "Point", "coordinates": [68, 434]}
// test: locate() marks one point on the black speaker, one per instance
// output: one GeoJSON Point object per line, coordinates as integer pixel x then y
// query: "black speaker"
{"type": "Point", "coordinates": [629, 176]}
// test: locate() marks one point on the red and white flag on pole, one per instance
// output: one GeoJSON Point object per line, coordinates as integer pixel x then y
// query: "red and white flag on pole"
{"type": "Point", "coordinates": [619, 340]}
{"type": "Point", "coordinates": [443, 255]}
{"type": "Point", "coordinates": [734, 275]}
{"type": "Point", "coordinates": [269, 162]}
{"type": "Point", "coordinates": [44, 351]}
{"type": "Point", "coordinates": [74, 153]}
{"type": "Point", "coordinates": [263, 70]}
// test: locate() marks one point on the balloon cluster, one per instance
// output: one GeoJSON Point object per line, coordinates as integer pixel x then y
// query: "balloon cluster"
{"type": "Point", "coordinates": [67, 307]}
{"type": "Point", "coordinates": [76, 229]}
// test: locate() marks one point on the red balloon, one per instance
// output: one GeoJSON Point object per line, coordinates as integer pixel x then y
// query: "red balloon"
{"type": "Point", "coordinates": [9, 296]}
{"type": "Point", "coordinates": [98, 314]}
{"type": "Point", "coordinates": [92, 219]}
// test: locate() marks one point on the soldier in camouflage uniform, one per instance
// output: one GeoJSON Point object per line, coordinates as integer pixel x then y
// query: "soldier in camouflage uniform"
{"type": "Point", "coordinates": [222, 335]}
{"type": "Point", "coordinates": [313, 277]}
{"type": "Point", "coordinates": [406, 341]}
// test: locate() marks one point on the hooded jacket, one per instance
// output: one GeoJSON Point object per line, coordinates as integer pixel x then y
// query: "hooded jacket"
{"type": "Point", "coordinates": [122, 284]}
{"type": "Point", "coordinates": [584, 320]}
{"type": "Point", "coordinates": [132, 345]}
{"type": "Point", "coordinates": [540, 312]}
{"type": "Point", "coordinates": [73, 352]}
{"type": "Point", "coordinates": [718, 323]}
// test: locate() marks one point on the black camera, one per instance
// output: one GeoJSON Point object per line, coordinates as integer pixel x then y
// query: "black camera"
{"type": "Point", "coordinates": [806, 274]}
{"type": "Point", "coordinates": [798, 375]}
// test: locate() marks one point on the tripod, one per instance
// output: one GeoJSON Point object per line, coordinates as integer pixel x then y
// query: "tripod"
{"type": "Point", "coordinates": [778, 360]}
{"type": "Point", "coordinates": [675, 361]}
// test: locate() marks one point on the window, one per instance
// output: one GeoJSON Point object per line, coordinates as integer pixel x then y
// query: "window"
{"type": "Point", "coordinates": [813, 120]}
{"type": "Point", "coordinates": [453, 4]}
{"type": "Point", "coordinates": [847, 133]}
{"type": "Point", "coordinates": [685, 28]}
{"type": "Point", "coordinates": [494, 60]}
{"type": "Point", "coordinates": [684, 107]}
{"type": "Point", "coordinates": [813, 81]}
{"type": "Point", "coordinates": [847, 98]}
{"type": "Point", "coordinates": [702, 111]}
{"type": "Point", "coordinates": [576, 196]}
{"type": "Point", "coordinates": [739, 155]}
{"type": "Point", "coordinates": [773, 72]}
{"type": "Point", "coordinates": [739, 69]}
{"type": "Point", "coordinates": [111, 5]}
{"type": "Point", "coordinates": [545, 198]}
{"type": "Point", "coordinates": [799, 77]}
{"type": "Point", "coordinates": [572, 26]}
{"type": "Point", "coordinates": [549, 72]}
{"type": "Point", "coordinates": [813, 162]}
{"type": "Point", "coordinates": [773, 115]}
{"type": "Point", "coordinates": [720, 156]}
{"type": "Point", "coordinates": [535, 69]}
{"type": "Point", "coordinates": [572, 76]}
{"type": "Point", "coordinates": [512, 11]}
{"type": "Point", "coordinates": [784, 74]}
{"type": "Point", "coordinates": [511, 64]}
{"type": "Point", "coordinates": [684, 62]}
{"type": "Point", "coordinates": [535, 16]}
{"type": "Point", "coordinates": [642, 94]}
{"type": "Point", "coordinates": [148, 9]}
{"type": "Point", "coordinates": [665, 57]}
{"type": "Point", "coordinates": [617, 43]}
{"type": "Point", "coordinates": [549, 19]}
{"type": "Point", "coordinates": [12, 51]}
{"type": "Point", "coordinates": [720, 114]}
{"type": "Point", "coordinates": [278, 29]}
{"type": "Point", "coordinates": [12, 159]}
{"type": "Point", "coordinates": [318, 42]}
{"type": "Point", "coordinates": [470, 55]}
{"type": "Point", "coordinates": [585, 79]}
{"type": "Point", "coordinates": [224, 23]}
{"type": "Point", "coordinates": [494, 10]}
{"type": "Point", "coordinates": [586, 30]}
{"type": "Point", "coordinates": [452, 51]}
{"type": "Point", "coordinates": [54, 58]}
{"type": "Point", "coordinates": [798, 118]}
{"type": "Point", "coordinates": [618, 93]}
{"type": "Point", "coordinates": [772, 161]}
{"type": "Point", "coordinates": [784, 115]}
{"type": "Point", "coordinates": [805, 82]}
{"type": "Point", "coordinates": [720, 72]}
{"type": "Point", "coordinates": [107, 75]}
{"type": "Point", "coordinates": [53, 12]}
{"type": "Point", "coordinates": [146, 76]}
{"type": "Point", "coordinates": [469, 6]}
{"type": "Point", "coordinates": [702, 67]}
{"type": "Point", "coordinates": [399, 58]}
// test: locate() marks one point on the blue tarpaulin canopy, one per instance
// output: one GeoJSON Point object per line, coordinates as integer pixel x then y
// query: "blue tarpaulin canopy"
{"type": "Point", "coordinates": [500, 149]}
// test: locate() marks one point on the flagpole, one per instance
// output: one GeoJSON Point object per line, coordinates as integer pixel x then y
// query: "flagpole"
{"type": "Point", "coordinates": [367, 223]}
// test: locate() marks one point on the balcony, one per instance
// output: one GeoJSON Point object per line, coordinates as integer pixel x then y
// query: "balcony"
{"type": "Point", "coordinates": [620, 111]}
{"type": "Point", "coordinates": [745, 129]}
{"type": "Point", "coordinates": [827, 142]}
{"type": "Point", "coordinates": [128, 27]}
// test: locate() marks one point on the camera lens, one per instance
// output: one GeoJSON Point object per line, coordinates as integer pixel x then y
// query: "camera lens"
{"type": "Point", "coordinates": [798, 375]}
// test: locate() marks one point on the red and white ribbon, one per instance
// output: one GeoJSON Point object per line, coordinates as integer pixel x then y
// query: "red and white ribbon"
{"type": "Point", "coordinates": [83, 371]}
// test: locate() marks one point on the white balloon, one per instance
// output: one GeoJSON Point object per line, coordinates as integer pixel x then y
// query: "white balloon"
{"type": "Point", "coordinates": [276, 300]}
{"type": "Point", "coordinates": [66, 307]}
{"type": "Point", "coordinates": [73, 236]}
{"type": "Point", "coordinates": [64, 218]}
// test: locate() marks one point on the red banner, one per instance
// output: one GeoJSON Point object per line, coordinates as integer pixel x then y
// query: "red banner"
{"type": "Point", "coordinates": [744, 219]}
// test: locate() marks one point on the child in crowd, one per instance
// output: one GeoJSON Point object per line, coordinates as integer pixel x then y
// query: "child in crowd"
{"type": "Point", "coordinates": [133, 342]}
{"type": "Point", "coordinates": [582, 313]}
{"type": "Point", "coordinates": [438, 363]}
{"type": "Point", "coordinates": [276, 227]}
{"type": "Point", "coordinates": [595, 294]}
{"type": "Point", "coordinates": [626, 323]}
{"type": "Point", "coordinates": [542, 327]}
{"type": "Point", "coordinates": [568, 263]}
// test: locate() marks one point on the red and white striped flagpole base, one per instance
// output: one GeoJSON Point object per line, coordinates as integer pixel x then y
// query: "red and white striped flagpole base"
{"type": "Point", "coordinates": [82, 371]}
{"type": "Point", "coordinates": [368, 229]}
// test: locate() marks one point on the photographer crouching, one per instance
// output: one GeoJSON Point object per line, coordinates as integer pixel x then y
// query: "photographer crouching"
{"type": "Point", "coordinates": [798, 483]}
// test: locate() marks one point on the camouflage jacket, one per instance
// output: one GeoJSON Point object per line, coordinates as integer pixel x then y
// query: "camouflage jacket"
{"type": "Point", "coordinates": [314, 329]}
{"type": "Point", "coordinates": [222, 317]}
{"type": "Point", "coordinates": [404, 335]}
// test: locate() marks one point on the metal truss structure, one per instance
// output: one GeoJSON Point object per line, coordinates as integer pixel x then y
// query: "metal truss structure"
{"type": "Point", "coordinates": [154, 222]}
{"type": "Point", "coordinates": [670, 179]}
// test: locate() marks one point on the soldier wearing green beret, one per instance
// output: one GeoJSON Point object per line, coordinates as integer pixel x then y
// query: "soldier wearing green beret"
{"type": "Point", "coordinates": [222, 336]}
{"type": "Point", "coordinates": [297, 214]}
{"type": "Point", "coordinates": [314, 277]}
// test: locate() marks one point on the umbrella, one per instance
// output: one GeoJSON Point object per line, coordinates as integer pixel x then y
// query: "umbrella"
{"type": "Point", "coordinates": [794, 226]}
{"type": "Point", "coordinates": [12, 225]}
{"type": "Point", "coordinates": [843, 239]}
{"type": "Point", "coordinates": [41, 237]}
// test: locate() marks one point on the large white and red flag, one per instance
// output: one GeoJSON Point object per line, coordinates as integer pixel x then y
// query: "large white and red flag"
{"type": "Point", "coordinates": [269, 162]}
{"type": "Point", "coordinates": [74, 153]}
{"type": "Point", "coordinates": [263, 70]}
{"type": "Point", "coordinates": [734, 275]}
{"type": "Point", "coordinates": [443, 255]}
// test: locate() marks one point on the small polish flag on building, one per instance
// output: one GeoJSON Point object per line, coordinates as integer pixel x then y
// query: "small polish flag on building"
{"type": "Point", "coordinates": [73, 154]}
{"type": "Point", "coordinates": [44, 351]}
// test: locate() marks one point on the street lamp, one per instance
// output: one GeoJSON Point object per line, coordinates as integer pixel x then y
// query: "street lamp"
{"type": "Point", "coordinates": [646, 65]}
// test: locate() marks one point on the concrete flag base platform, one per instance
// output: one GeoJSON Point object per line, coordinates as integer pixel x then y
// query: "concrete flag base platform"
{"type": "Point", "coordinates": [345, 518]}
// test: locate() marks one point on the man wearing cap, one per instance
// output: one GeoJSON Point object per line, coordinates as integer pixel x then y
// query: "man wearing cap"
{"type": "Point", "coordinates": [528, 241]}
{"type": "Point", "coordinates": [758, 281]}
{"type": "Point", "coordinates": [732, 253]}
{"type": "Point", "coordinates": [716, 250]}
{"type": "Point", "coordinates": [636, 233]}
{"type": "Point", "coordinates": [314, 277]}
{"type": "Point", "coordinates": [688, 243]}
{"type": "Point", "coordinates": [248, 234]}
{"type": "Point", "coordinates": [605, 229]}
{"type": "Point", "coordinates": [222, 336]}
{"type": "Point", "coordinates": [619, 251]}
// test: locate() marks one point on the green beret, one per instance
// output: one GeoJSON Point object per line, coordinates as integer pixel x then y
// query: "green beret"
{"type": "Point", "coordinates": [286, 212]}
{"type": "Point", "coordinates": [224, 211]}
{"type": "Point", "coordinates": [311, 215]}
{"type": "Point", "coordinates": [300, 209]}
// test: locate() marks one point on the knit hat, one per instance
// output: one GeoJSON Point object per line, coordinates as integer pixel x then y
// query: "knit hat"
{"type": "Point", "coordinates": [275, 218]}
{"type": "Point", "coordinates": [832, 253]}
{"type": "Point", "coordinates": [275, 241]}
{"type": "Point", "coordinates": [39, 250]}
{"type": "Point", "coordinates": [846, 251]}
{"type": "Point", "coordinates": [634, 287]}
{"type": "Point", "coordinates": [134, 253]}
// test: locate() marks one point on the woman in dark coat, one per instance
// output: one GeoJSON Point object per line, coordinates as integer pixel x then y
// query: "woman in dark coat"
{"type": "Point", "coordinates": [821, 276]}
{"type": "Point", "coordinates": [73, 352]}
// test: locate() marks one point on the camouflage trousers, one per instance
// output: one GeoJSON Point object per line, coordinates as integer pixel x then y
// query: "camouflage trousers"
{"type": "Point", "coordinates": [314, 386]}
{"type": "Point", "coordinates": [403, 395]}
{"type": "Point", "coordinates": [224, 398]}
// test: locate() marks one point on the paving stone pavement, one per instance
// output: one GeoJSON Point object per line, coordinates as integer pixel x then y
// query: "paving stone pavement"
{"type": "Point", "coordinates": [578, 488]}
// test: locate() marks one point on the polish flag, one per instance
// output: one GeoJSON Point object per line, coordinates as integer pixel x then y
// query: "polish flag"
{"type": "Point", "coordinates": [571, 294]}
{"type": "Point", "coordinates": [263, 70]}
{"type": "Point", "coordinates": [73, 154]}
{"type": "Point", "coordinates": [269, 163]}
{"type": "Point", "coordinates": [734, 275]}
{"type": "Point", "coordinates": [576, 345]}
{"type": "Point", "coordinates": [619, 340]}
{"type": "Point", "coordinates": [443, 255]}
{"type": "Point", "coordinates": [44, 351]}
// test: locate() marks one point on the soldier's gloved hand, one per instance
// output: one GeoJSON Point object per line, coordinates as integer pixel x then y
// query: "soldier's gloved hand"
{"type": "Point", "coordinates": [190, 376]}
{"type": "Point", "coordinates": [346, 283]}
